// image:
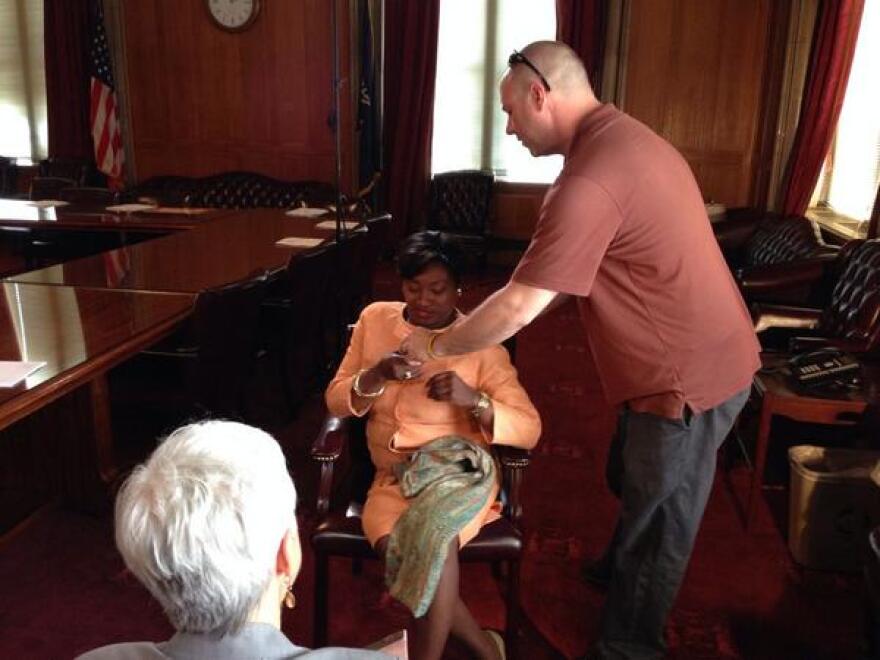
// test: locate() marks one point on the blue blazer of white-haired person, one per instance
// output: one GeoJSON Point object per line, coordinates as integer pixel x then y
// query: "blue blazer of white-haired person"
{"type": "Point", "coordinates": [207, 524]}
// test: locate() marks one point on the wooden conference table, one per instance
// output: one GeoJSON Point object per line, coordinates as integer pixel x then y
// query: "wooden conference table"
{"type": "Point", "coordinates": [23, 213]}
{"type": "Point", "coordinates": [87, 315]}
{"type": "Point", "coordinates": [224, 250]}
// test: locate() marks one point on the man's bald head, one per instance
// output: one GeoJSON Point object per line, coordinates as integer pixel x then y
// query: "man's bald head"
{"type": "Point", "coordinates": [559, 64]}
{"type": "Point", "coordinates": [546, 120]}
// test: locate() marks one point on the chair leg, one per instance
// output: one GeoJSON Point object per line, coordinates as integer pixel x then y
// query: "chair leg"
{"type": "Point", "coordinates": [322, 591]}
{"type": "Point", "coordinates": [511, 632]}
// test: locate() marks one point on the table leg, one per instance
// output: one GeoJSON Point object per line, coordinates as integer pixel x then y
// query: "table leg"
{"type": "Point", "coordinates": [763, 440]}
{"type": "Point", "coordinates": [99, 393]}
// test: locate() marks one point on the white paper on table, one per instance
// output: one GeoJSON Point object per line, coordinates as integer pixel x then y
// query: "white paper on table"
{"type": "Point", "coordinates": [331, 224]}
{"type": "Point", "coordinates": [307, 212]}
{"type": "Point", "coordinates": [12, 373]}
{"type": "Point", "coordinates": [299, 241]}
{"type": "Point", "coordinates": [176, 210]}
{"type": "Point", "coordinates": [130, 208]}
{"type": "Point", "coordinates": [47, 203]}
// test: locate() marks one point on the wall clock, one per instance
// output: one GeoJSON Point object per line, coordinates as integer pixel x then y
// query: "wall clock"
{"type": "Point", "coordinates": [233, 15]}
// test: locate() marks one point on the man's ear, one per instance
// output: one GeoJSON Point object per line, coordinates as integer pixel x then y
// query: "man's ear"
{"type": "Point", "coordinates": [538, 95]}
{"type": "Point", "coordinates": [289, 559]}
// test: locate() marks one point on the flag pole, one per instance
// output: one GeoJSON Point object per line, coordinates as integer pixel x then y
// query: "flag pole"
{"type": "Point", "coordinates": [337, 84]}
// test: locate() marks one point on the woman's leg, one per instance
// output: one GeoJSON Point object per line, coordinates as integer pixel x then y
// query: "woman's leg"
{"type": "Point", "coordinates": [447, 613]}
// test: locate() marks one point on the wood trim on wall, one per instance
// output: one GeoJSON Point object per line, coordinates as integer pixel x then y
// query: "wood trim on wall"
{"type": "Point", "coordinates": [801, 23]}
{"type": "Point", "coordinates": [771, 91]}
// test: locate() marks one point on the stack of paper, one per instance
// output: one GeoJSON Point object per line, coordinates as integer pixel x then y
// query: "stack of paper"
{"type": "Point", "coordinates": [12, 373]}
{"type": "Point", "coordinates": [129, 208]}
{"type": "Point", "coordinates": [331, 224]}
{"type": "Point", "coordinates": [307, 212]}
{"type": "Point", "coordinates": [47, 203]}
{"type": "Point", "coordinates": [299, 242]}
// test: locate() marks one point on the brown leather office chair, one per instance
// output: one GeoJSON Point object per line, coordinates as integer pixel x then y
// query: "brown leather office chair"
{"type": "Point", "coordinates": [89, 196]}
{"type": "Point", "coordinates": [48, 187]}
{"type": "Point", "coordinates": [217, 355]}
{"type": "Point", "coordinates": [769, 254]}
{"type": "Point", "coordinates": [460, 206]}
{"type": "Point", "coordinates": [7, 177]}
{"type": "Point", "coordinates": [850, 320]}
{"type": "Point", "coordinates": [361, 282]}
{"type": "Point", "coordinates": [295, 317]}
{"type": "Point", "coordinates": [340, 534]}
{"type": "Point", "coordinates": [75, 169]}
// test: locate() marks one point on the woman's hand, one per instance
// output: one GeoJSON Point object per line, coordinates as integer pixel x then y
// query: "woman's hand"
{"type": "Point", "coordinates": [395, 366]}
{"type": "Point", "coordinates": [447, 386]}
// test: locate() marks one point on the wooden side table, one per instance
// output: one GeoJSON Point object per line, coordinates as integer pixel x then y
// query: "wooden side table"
{"type": "Point", "coordinates": [778, 397]}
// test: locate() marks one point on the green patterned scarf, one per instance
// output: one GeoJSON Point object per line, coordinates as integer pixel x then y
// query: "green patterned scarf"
{"type": "Point", "coordinates": [448, 481]}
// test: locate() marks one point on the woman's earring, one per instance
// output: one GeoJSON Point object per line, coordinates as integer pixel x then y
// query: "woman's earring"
{"type": "Point", "coordinates": [458, 290]}
{"type": "Point", "coordinates": [289, 597]}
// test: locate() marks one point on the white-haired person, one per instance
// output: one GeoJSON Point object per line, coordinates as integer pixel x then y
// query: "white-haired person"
{"type": "Point", "coordinates": [207, 524]}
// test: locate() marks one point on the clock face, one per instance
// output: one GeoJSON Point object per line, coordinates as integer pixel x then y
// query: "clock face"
{"type": "Point", "coordinates": [233, 14]}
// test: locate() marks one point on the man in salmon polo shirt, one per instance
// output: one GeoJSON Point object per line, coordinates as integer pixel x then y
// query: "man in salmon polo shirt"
{"type": "Point", "coordinates": [624, 230]}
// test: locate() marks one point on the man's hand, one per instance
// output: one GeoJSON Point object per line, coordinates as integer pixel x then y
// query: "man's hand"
{"type": "Point", "coordinates": [395, 366]}
{"type": "Point", "coordinates": [415, 347]}
{"type": "Point", "coordinates": [447, 386]}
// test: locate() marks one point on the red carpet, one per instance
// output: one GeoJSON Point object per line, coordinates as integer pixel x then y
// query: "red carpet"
{"type": "Point", "coordinates": [64, 588]}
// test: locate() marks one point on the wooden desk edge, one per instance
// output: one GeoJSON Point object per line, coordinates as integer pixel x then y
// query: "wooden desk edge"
{"type": "Point", "coordinates": [27, 402]}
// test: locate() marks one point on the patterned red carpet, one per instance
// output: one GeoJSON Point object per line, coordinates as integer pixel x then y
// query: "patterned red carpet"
{"type": "Point", "coordinates": [64, 590]}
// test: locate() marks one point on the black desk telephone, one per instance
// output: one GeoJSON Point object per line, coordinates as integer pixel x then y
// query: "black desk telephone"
{"type": "Point", "coordinates": [823, 366]}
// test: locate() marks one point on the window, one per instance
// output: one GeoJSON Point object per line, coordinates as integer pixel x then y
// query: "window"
{"type": "Point", "coordinates": [847, 187]}
{"type": "Point", "coordinates": [23, 128]}
{"type": "Point", "coordinates": [475, 40]}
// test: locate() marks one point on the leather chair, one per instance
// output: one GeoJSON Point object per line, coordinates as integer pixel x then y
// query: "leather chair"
{"type": "Point", "coordinates": [460, 206]}
{"type": "Point", "coordinates": [850, 320]}
{"type": "Point", "coordinates": [361, 282]}
{"type": "Point", "coordinates": [7, 177]}
{"type": "Point", "coordinates": [293, 311]}
{"type": "Point", "coordinates": [340, 534]}
{"type": "Point", "coordinates": [89, 196]}
{"type": "Point", "coordinates": [233, 190]}
{"type": "Point", "coordinates": [66, 168]}
{"type": "Point", "coordinates": [217, 356]}
{"type": "Point", "coordinates": [768, 255]}
{"type": "Point", "coordinates": [48, 187]}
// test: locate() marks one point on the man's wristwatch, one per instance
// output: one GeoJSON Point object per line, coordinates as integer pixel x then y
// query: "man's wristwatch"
{"type": "Point", "coordinates": [482, 404]}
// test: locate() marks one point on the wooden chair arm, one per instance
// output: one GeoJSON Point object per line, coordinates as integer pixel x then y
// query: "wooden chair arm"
{"type": "Point", "coordinates": [326, 449]}
{"type": "Point", "coordinates": [513, 461]}
{"type": "Point", "coordinates": [784, 316]}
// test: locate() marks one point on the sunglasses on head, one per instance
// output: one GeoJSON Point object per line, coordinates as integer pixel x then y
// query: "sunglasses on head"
{"type": "Point", "coordinates": [517, 57]}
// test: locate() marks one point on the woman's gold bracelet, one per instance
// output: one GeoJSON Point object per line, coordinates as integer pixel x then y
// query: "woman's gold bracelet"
{"type": "Point", "coordinates": [356, 386]}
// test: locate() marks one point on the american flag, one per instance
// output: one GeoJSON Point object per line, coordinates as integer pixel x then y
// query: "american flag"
{"type": "Point", "coordinates": [106, 134]}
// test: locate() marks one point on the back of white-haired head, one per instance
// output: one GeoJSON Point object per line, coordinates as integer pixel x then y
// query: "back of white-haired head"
{"type": "Point", "coordinates": [200, 523]}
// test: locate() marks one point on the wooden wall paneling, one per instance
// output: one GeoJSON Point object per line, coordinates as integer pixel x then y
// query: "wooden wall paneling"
{"type": "Point", "coordinates": [204, 100]}
{"type": "Point", "coordinates": [693, 73]}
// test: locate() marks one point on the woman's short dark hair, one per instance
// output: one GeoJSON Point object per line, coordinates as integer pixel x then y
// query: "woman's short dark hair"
{"type": "Point", "coordinates": [420, 250]}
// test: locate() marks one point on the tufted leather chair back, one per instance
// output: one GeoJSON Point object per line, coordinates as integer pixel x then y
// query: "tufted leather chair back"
{"type": "Point", "coordinates": [785, 239]}
{"type": "Point", "coordinates": [853, 312]}
{"type": "Point", "coordinates": [234, 190]}
{"type": "Point", "coordinates": [460, 202]}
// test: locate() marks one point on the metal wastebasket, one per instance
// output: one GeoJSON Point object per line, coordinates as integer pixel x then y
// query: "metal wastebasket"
{"type": "Point", "coordinates": [833, 505]}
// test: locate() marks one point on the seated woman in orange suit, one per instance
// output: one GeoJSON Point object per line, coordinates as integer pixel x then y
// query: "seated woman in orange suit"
{"type": "Point", "coordinates": [476, 396]}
